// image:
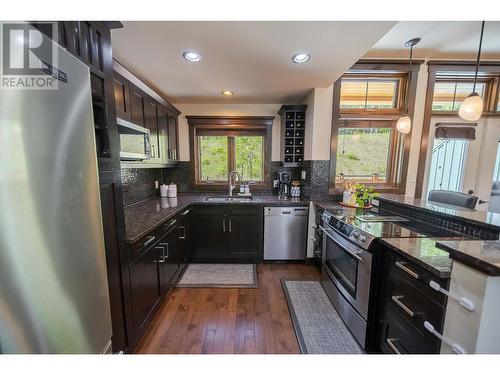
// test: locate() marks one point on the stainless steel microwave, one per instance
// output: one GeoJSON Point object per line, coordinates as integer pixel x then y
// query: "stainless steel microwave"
{"type": "Point", "coordinates": [134, 141]}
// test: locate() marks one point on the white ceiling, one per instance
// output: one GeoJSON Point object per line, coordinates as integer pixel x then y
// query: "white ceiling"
{"type": "Point", "coordinates": [253, 59]}
{"type": "Point", "coordinates": [440, 40]}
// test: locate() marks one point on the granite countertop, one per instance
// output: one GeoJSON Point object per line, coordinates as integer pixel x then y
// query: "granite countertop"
{"type": "Point", "coordinates": [141, 218]}
{"type": "Point", "coordinates": [423, 252]}
{"type": "Point", "coordinates": [483, 256]}
{"type": "Point", "coordinates": [491, 219]}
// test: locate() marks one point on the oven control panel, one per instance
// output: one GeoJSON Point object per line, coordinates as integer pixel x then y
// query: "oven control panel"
{"type": "Point", "coordinates": [340, 225]}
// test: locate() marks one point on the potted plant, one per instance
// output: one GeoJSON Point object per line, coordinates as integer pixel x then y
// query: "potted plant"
{"type": "Point", "coordinates": [364, 195]}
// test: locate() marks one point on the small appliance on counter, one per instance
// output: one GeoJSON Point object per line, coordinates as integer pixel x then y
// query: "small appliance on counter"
{"type": "Point", "coordinates": [284, 179]}
{"type": "Point", "coordinates": [168, 191]}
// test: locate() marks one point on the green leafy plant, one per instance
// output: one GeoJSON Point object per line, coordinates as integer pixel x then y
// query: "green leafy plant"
{"type": "Point", "coordinates": [364, 194]}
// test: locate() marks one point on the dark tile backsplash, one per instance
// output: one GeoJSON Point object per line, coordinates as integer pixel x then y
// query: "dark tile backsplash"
{"type": "Point", "coordinates": [138, 184]}
{"type": "Point", "coordinates": [434, 218]}
{"type": "Point", "coordinates": [315, 186]}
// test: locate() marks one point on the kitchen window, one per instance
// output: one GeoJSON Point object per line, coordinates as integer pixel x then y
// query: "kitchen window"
{"type": "Point", "coordinates": [366, 154]}
{"type": "Point", "coordinates": [223, 144]}
{"type": "Point", "coordinates": [449, 95]}
{"type": "Point", "coordinates": [369, 94]}
{"type": "Point", "coordinates": [220, 154]}
{"type": "Point", "coordinates": [363, 154]}
{"type": "Point", "coordinates": [365, 146]}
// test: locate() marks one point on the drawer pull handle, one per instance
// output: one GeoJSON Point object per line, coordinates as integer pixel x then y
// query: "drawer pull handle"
{"type": "Point", "coordinates": [464, 302]}
{"type": "Point", "coordinates": [392, 346]}
{"type": "Point", "coordinates": [407, 270]}
{"type": "Point", "coordinates": [185, 213]}
{"type": "Point", "coordinates": [455, 347]}
{"type": "Point", "coordinates": [397, 300]}
{"type": "Point", "coordinates": [150, 239]}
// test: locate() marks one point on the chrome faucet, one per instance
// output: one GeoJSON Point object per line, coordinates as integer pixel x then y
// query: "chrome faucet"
{"type": "Point", "coordinates": [231, 186]}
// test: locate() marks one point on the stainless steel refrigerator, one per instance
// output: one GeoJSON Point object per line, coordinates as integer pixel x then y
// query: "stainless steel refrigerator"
{"type": "Point", "coordinates": [53, 283]}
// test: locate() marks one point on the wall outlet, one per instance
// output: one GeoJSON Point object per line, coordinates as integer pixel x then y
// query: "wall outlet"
{"type": "Point", "coordinates": [157, 184]}
{"type": "Point", "coordinates": [303, 175]}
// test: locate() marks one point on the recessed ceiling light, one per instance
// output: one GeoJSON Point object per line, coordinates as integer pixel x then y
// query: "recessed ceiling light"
{"type": "Point", "coordinates": [191, 56]}
{"type": "Point", "coordinates": [300, 58]}
{"type": "Point", "coordinates": [227, 93]}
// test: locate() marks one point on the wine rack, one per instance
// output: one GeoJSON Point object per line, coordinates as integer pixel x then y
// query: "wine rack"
{"type": "Point", "coordinates": [293, 121]}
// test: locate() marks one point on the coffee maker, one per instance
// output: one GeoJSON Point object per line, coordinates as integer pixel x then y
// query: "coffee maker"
{"type": "Point", "coordinates": [284, 178]}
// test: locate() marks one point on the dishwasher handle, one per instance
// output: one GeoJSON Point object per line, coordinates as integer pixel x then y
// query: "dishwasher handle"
{"type": "Point", "coordinates": [286, 211]}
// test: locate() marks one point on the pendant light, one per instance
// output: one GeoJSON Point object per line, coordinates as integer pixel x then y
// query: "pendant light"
{"type": "Point", "coordinates": [404, 122]}
{"type": "Point", "coordinates": [472, 107]}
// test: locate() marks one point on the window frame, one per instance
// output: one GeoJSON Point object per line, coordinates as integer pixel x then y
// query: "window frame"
{"type": "Point", "coordinates": [399, 96]}
{"type": "Point", "coordinates": [390, 181]}
{"type": "Point", "coordinates": [400, 155]}
{"type": "Point", "coordinates": [488, 94]}
{"type": "Point", "coordinates": [446, 68]}
{"type": "Point", "coordinates": [230, 126]}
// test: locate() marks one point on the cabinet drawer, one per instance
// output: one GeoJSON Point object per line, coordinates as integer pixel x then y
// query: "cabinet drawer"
{"type": "Point", "coordinates": [151, 238]}
{"type": "Point", "coordinates": [419, 278]}
{"type": "Point", "coordinates": [399, 336]}
{"type": "Point", "coordinates": [414, 305]}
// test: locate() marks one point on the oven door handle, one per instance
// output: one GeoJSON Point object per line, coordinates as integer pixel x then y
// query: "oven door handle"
{"type": "Point", "coordinates": [354, 255]}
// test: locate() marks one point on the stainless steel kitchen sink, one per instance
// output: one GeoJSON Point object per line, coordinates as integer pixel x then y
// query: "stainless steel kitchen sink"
{"type": "Point", "coordinates": [226, 199]}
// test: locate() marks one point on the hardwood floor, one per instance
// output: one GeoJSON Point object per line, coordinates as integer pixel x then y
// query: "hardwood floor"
{"type": "Point", "coordinates": [228, 321]}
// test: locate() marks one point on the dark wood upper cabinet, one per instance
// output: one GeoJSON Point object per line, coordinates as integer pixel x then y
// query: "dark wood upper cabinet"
{"type": "Point", "coordinates": [151, 122]}
{"type": "Point", "coordinates": [137, 105]}
{"type": "Point", "coordinates": [173, 138]}
{"type": "Point", "coordinates": [122, 97]}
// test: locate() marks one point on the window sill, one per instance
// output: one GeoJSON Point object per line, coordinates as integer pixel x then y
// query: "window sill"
{"type": "Point", "coordinates": [377, 189]}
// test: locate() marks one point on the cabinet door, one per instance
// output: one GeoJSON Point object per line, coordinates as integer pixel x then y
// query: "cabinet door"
{"type": "Point", "coordinates": [168, 259]}
{"type": "Point", "coordinates": [144, 288]}
{"type": "Point", "coordinates": [172, 138]}
{"type": "Point", "coordinates": [184, 231]}
{"type": "Point", "coordinates": [209, 230]}
{"type": "Point", "coordinates": [122, 97]}
{"type": "Point", "coordinates": [245, 231]}
{"type": "Point", "coordinates": [163, 134]}
{"type": "Point", "coordinates": [136, 105]}
{"type": "Point", "coordinates": [110, 201]}
{"type": "Point", "coordinates": [151, 122]}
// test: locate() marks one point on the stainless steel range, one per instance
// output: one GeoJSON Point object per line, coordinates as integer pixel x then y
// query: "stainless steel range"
{"type": "Point", "coordinates": [348, 260]}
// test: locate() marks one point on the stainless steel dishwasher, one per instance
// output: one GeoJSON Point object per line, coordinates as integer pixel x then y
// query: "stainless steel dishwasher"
{"type": "Point", "coordinates": [285, 233]}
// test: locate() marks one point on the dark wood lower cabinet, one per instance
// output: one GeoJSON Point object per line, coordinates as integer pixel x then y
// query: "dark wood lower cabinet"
{"type": "Point", "coordinates": [209, 230]}
{"type": "Point", "coordinates": [227, 233]}
{"type": "Point", "coordinates": [113, 224]}
{"type": "Point", "coordinates": [406, 302]}
{"type": "Point", "coordinates": [168, 259]}
{"type": "Point", "coordinates": [156, 263]}
{"type": "Point", "coordinates": [145, 289]}
{"type": "Point", "coordinates": [245, 232]}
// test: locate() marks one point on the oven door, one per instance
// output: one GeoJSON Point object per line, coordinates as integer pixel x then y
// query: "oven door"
{"type": "Point", "coordinates": [349, 268]}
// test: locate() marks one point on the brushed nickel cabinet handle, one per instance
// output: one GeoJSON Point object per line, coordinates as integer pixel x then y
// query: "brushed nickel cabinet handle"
{"type": "Point", "coordinates": [150, 239]}
{"type": "Point", "coordinates": [183, 235]}
{"type": "Point", "coordinates": [223, 225]}
{"type": "Point", "coordinates": [402, 266]}
{"type": "Point", "coordinates": [392, 346]}
{"type": "Point", "coordinates": [397, 300]}
{"type": "Point", "coordinates": [230, 226]}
